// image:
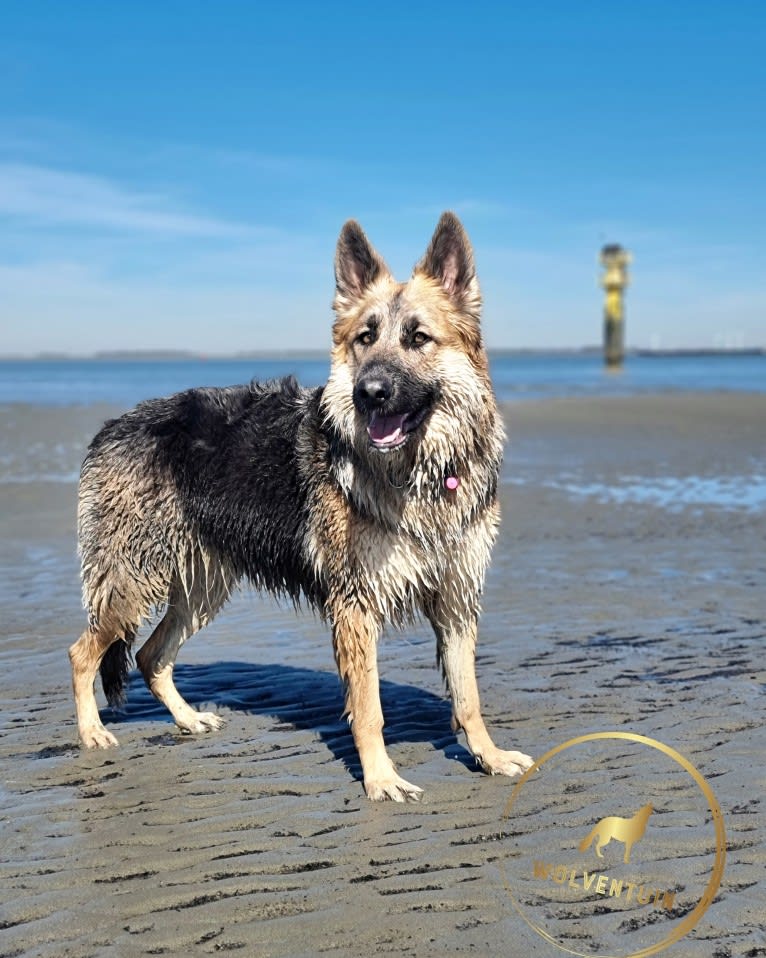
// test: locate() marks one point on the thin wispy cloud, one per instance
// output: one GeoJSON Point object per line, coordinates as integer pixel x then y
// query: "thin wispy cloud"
{"type": "Point", "coordinates": [66, 306]}
{"type": "Point", "coordinates": [45, 196]}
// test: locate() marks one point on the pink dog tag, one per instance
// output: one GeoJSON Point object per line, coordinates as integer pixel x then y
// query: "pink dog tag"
{"type": "Point", "coordinates": [452, 482]}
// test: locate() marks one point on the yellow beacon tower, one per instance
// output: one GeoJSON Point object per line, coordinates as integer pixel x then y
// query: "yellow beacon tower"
{"type": "Point", "coordinates": [615, 261]}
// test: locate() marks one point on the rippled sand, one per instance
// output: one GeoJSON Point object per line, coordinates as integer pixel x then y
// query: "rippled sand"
{"type": "Point", "coordinates": [603, 609]}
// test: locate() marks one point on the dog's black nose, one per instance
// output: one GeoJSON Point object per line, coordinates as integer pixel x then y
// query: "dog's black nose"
{"type": "Point", "coordinates": [373, 391]}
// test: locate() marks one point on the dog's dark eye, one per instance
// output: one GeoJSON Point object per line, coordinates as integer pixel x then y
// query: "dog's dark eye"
{"type": "Point", "coordinates": [420, 338]}
{"type": "Point", "coordinates": [367, 338]}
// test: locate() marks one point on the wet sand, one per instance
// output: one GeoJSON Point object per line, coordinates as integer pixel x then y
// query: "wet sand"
{"type": "Point", "coordinates": [628, 590]}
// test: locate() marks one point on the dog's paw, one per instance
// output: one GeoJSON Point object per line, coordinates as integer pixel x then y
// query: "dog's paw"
{"type": "Point", "coordinates": [393, 789]}
{"type": "Point", "coordinates": [498, 762]}
{"type": "Point", "coordinates": [96, 736]}
{"type": "Point", "coordinates": [198, 722]}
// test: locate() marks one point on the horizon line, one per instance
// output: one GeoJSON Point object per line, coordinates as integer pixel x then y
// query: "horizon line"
{"type": "Point", "coordinates": [180, 355]}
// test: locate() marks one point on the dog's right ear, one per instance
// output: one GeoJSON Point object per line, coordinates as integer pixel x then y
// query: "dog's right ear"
{"type": "Point", "coordinates": [449, 260]}
{"type": "Point", "coordinates": [357, 264]}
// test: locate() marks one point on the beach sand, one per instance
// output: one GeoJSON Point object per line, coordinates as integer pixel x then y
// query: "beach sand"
{"type": "Point", "coordinates": [627, 591]}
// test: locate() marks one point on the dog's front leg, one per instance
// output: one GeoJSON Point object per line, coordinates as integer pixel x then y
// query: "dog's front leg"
{"type": "Point", "coordinates": [456, 652]}
{"type": "Point", "coordinates": [355, 638]}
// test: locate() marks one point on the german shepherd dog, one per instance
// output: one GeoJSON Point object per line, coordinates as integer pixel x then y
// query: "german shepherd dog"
{"type": "Point", "coordinates": [373, 499]}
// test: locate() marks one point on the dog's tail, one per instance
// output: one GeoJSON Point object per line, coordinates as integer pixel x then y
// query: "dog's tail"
{"type": "Point", "coordinates": [586, 841]}
{"type": "Point", "coordinates": [114, 669]}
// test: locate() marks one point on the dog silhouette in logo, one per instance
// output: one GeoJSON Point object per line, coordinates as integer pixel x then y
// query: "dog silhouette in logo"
{"type": "Point", "coordinates": [626, 830]}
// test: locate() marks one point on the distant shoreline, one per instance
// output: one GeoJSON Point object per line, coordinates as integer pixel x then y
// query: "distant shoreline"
{"type": "Point", "coordinates": [143, 356]}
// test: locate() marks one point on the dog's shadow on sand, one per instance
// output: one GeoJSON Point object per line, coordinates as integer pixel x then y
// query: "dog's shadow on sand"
{"type": "Point", "coordinates": [300, 698]}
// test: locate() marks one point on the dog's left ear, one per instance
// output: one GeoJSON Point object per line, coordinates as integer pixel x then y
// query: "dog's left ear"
{"type": "Point", "coordinates": [449, 259]}
{"type": "Point", "coordinates": [357, 264]}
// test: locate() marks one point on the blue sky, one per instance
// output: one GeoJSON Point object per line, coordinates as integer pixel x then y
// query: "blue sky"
{"type": "Point", "coordinates": [175, 174]}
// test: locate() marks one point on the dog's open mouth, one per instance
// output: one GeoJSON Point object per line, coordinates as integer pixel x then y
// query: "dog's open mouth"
{"type": "Point", "coordinates": [390, 432]}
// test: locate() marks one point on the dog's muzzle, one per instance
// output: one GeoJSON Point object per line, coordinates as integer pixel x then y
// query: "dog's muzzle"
{"type": "Point", "coordinates": [393, 407]}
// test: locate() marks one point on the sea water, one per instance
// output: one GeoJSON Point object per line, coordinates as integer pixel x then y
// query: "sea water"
{"type": "Point", "coordinates": [125, 382]}
{"type": "Point", "coordinates": [48, 445]}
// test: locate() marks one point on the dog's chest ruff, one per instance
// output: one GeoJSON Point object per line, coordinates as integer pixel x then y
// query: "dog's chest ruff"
{"type": "Point", "coordinates": [399, 546]}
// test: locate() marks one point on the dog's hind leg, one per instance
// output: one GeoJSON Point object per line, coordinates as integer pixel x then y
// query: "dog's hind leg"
{"type": "Point", "coordinates": [456, 652]}
{"type": "Point", "coordinates": [156, 660]}
{"type": "Point", "coordinates": [355, 638]}
{"type": "Point", "coordinates": [86, 655]}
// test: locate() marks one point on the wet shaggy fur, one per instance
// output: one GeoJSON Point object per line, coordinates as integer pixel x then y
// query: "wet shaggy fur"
{"type": "Point", "coordinates": [198, 507]}
{"type": "Point", "coordinates": [371, 499]}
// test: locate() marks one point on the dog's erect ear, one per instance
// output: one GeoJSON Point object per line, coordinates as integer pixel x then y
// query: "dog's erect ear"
{"type": "Point", "coordinates": [357, 264]}
{"type": "Point", "coordinates": [449, 259]}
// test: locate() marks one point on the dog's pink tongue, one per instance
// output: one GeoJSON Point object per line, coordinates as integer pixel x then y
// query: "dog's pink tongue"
{"type": "Point", "coordinates": [385, 430]}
